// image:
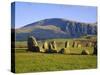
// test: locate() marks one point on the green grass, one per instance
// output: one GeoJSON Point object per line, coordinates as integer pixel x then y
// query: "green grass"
{"type": "Point", "coordinates": [39, 62]}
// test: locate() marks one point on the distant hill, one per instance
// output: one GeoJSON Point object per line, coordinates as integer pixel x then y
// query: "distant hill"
{"type": "Point", "coordinates": [55, 28]}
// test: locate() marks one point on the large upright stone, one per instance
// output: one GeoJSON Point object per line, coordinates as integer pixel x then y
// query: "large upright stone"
{"type": "Point", "coordinates": [90, 44]}
{"type": "Point", "coordinates": [86, 45]}
{"type": "Point", "coordinates": [85, 52]}
{"type": "Point", "coordinates": [95, 49]}
{"type": "Point", "coordinates": [67, 44]}
{"type": "Point", "coordinates": [32, 44]}
{"type": "Point", "coordinates": [44, 47]}
{"type": "Point", "coordinates": [52, 47]}
{"type": "Point", "coordinates": [79, 45]}
{"type": "Point", "coordinates": [65, 51]}
{"type": "Point", "coordinates": [75, 44]}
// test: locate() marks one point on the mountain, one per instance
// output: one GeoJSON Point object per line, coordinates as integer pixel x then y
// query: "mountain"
{"type": "Point", "coordinates": [55, 28]}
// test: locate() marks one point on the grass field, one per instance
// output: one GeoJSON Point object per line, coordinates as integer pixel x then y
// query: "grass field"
{"type": "Point", "coordinates": [40, 62]}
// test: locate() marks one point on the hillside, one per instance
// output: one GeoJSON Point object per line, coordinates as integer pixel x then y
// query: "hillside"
{"type": "Point", "coordinates": [55, 28]}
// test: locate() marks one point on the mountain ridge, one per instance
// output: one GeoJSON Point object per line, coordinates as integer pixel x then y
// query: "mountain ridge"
{"type": "Point", "coordinates": [56, 28]}
{"type": "Point", "coordinates": [58, 19]}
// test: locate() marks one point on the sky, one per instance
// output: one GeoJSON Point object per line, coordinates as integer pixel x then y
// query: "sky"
{"type": "Point", "coordinates": [27, 12]}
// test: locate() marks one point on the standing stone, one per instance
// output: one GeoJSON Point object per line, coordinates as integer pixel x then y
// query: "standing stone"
{"type": "Point", "coordinates": [86, 45]}
{"type": "Point", "coordinates": [32, 44]}
{"type": "Point", "coordinates": [95, 49]}
{"type": "Point", "coordinates": [90, 44]}
{"type": "Point", "coordinates": [85, 52]}
{"type": "Point", "coordinates": [64, 51]}
{"type": "Point", "coordinates": [52, 47]}
{"type": "Point", "coordinates": [67, 44]}
{"type": "Point", "coordinates": [74, 44]}
{"type": "Point", "coordinates": [79, 45]}
{"type": "Point", "coordinates": [44, 47]}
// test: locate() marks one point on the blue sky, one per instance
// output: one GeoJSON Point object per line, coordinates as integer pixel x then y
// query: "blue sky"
{"type": "Point", "coordinates": [26, 13]}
